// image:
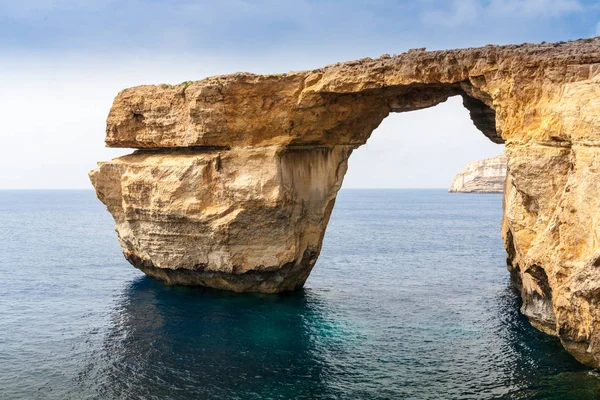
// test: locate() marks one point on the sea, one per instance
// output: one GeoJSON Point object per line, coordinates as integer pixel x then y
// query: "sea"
{"type": "Point", "coordinates": [410, 299]}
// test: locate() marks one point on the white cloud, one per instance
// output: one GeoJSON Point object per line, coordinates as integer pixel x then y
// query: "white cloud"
{"type": "Point", "coordinates": [467, 12]}
{"type": "Point", "coordinates": [462, 12]}
{"type": "Point", "coordinates": [30, 9]}
{"type": "Point", "coordinates": [534, 8]}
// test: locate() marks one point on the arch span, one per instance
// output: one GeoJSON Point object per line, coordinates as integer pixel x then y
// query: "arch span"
{"type": "Point", "coordinates": [236, 176]}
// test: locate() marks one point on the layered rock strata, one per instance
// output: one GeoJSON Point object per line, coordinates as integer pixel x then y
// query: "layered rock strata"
{"type": "Point", "coordinates": [483, 176]}
{"type": "Point", "coordinates": [236, 176]}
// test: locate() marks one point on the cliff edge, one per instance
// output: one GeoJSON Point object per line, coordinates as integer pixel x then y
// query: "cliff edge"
{"type": "Point", "coordinates": [483, 176]}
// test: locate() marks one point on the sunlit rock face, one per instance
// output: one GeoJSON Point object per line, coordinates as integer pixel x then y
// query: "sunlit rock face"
{"type": "Point", "coordinates": [482, 176]}
{"type": "Point", "coordinates": [245, 219]}
{"type": "Point", "coordinates": [237, 175]}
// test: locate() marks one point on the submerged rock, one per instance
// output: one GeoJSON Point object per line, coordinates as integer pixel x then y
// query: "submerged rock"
{"type": "Point", "coordinates": [237, 175]}
{"type": "Point", "coordinates": [483, 176]}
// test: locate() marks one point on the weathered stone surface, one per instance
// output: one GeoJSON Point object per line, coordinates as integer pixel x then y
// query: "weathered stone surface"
{"type": "Point", "coordinates": [240, 172]}
{"type": "Point", "coordinates": [483, 176]}
{"type": "Point", "coordinates": [246, 219]}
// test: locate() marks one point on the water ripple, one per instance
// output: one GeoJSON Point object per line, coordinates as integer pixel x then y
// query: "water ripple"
{"type": "Point", "coordinates": [409, 300]}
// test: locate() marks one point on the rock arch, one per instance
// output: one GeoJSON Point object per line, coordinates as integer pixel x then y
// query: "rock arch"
{"type": "Point", "coordinates": [235, 176]}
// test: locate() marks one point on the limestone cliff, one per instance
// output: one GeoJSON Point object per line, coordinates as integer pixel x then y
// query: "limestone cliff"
{"type": "Point", "coordinates": [483, 176]}
{"type": "Point", "coordinates": [237, 175]}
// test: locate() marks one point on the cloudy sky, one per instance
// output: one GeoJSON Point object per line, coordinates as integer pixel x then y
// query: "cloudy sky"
{"type": "Point", "coordinates": [63, 61]}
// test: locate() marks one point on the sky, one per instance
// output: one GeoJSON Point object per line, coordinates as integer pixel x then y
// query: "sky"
{"type": "Point", "coordinates": [63, 61]}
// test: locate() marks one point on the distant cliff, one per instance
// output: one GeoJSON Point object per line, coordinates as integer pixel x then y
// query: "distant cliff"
{"type": "Point", "coordinates": [483, 176]}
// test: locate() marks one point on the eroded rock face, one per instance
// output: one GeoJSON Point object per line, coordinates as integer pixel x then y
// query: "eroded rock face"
{"type": "Point", "coordinates": [483, 176]}
{"type": "Point", "coordinates": [245, 219]}
{"type": "Point", "coordinates": [237, 175]}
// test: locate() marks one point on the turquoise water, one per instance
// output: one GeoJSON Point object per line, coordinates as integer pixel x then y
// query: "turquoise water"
{"type": "Point", "coordinates": [409, 299]}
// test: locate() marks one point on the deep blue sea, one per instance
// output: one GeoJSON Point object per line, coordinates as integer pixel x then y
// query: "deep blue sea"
{"type": "Point", "coordinates": [409, 299]}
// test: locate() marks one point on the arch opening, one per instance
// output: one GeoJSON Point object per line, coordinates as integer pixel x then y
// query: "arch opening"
{"type": "Point", "coordinates": [426, 147]}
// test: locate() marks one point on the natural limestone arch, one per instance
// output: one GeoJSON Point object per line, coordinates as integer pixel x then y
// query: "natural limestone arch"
{"type": "Point", "coordinates": [236, 176]}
